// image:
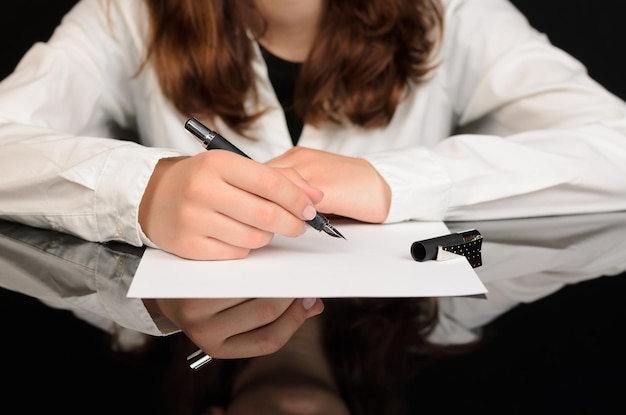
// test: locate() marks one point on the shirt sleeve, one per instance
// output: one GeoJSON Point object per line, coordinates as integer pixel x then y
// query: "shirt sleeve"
{"type": "Point", "coordinates": [59, 111]}
{"type": "Point", "coordinates": [534, 134]}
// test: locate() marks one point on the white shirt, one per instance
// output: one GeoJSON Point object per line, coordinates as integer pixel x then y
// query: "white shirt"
{"type": "Point", "coordinates": [507, 126]}
{"type": "Point", "coordinates": [541, 137]}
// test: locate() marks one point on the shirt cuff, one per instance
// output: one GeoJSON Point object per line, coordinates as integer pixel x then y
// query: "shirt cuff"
{"type": "Point", "coordinates": [419, 186]}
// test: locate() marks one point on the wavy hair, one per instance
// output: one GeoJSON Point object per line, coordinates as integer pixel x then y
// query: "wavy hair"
{"type": "Point", "coordinates": [356, 72]}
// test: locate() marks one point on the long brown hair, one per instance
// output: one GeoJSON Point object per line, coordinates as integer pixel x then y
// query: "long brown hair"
{"type": "Point", "coordinates": [356, 72]}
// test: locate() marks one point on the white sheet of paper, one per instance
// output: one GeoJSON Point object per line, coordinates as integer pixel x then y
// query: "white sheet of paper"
{"type": "Point", "coordinates": [374, 261]}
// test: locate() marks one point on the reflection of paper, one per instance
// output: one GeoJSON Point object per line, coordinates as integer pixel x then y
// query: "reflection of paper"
{"type": "Point", "coordinates": [374, 261]}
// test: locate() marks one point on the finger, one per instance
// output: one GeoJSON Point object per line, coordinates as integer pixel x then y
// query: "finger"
{"type": "Point", "coordinates": [235, 231]}
{"type": "Point", "coordinates": [212, 332]}
{"type": "Point", "coordinates": [231, 232]}
{"type": "Point", "coordinates": [249, 315]}
{"type": "Point", "coordinates": [271, 337]}
{"type": "Point", "coordinates": [201, 248]}
{"type": "Point", "coordinates": [192, 314]}
{"type": "Point", "coordinates": [270, 184]}
{"type": "Point", "coordinates": [256, 212]}
{"type": "Point", "coordinates": [315, 194]}
{"type": "Point", "coordinates": [251, 193]}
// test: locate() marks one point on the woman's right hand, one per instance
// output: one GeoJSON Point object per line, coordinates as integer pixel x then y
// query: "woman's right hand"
{"type": "Point", "coordinates": [219, 205]}
{"type": "Point", "coordinates": [237, 328]}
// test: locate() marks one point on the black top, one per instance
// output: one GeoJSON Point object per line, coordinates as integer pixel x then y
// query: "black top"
{"type": "Point", "coordinates": [283, 76]}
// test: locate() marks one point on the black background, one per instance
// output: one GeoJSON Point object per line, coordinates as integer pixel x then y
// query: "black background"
{"type": "Point", "coordinates": [562, 354]}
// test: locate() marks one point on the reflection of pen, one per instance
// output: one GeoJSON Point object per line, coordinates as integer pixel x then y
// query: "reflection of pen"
{"type": "Point", "coordinates": [198, 359]}
{"type": "Point", "coordinates": [211, 140]}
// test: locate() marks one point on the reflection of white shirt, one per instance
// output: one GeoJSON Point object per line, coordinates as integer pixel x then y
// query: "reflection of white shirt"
{"type": "Point", "coordinates": [523, 261]}
{"type": "Point", "coordinates": [529, 259]}
{"type": "Point", "coordinates": [89, 279]}
{"type": "Point", "coordinates": [539, 136]}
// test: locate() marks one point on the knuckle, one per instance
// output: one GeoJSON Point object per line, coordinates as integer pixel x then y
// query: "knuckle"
{"type": "Point", "coordinates": [192, 189]}
{"type": "Point", "coordinates": [189, 313]}
{"type": "Point", "coordinates": [257, 239]}
{"type": "Point", "coordinates": [268, 179]}
{"type": "Point", "coordinates": [267, 312]}
{"type": "Point", "coordinates": [267, 215]}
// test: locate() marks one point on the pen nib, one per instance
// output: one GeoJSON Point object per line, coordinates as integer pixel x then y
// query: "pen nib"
{"type": "Point", "coordinates": [330, 230]}
{"type": "Point", "coordinates": [320, 223]}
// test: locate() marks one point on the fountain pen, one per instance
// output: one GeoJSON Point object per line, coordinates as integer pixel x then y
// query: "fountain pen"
{"type": "Point", "coordinates": [211, 140]}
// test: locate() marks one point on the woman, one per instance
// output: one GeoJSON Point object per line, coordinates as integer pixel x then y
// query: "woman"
{"type": "Point", "coordinates": [404, 110]}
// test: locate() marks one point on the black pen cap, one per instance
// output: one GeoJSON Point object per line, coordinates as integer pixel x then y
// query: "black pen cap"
{"type": "Point", "coordinates": [427, 249]}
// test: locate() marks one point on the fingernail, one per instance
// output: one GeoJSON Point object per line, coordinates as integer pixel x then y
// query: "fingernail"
{"type": "Point", "coordinates": [309, 212]}
{"type": "Point", "coordinates": [307, 303]}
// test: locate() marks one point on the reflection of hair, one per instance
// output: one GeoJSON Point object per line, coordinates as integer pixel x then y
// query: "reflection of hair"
{"type": "Point", "coordinates": [367, 342]}
{"type": "Point", "coordinates": [364, 56]}
{"type": "Point", "coordinates": [374, 346]}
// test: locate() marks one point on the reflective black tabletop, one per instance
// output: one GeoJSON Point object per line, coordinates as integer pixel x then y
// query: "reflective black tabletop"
{"type": "Point", "coordinates": [554, 309]}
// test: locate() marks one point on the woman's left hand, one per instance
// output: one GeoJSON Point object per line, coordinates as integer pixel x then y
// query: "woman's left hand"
{"type": "Point", "coordinates": [352, 186]}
